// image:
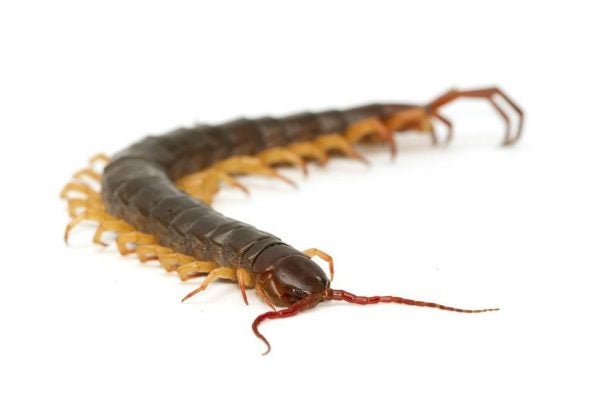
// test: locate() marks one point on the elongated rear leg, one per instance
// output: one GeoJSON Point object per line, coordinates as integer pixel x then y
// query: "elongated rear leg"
{"type": "Point", "coordinates": [485, 93]}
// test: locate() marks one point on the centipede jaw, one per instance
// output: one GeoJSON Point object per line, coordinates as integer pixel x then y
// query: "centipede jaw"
{"type": "Point", "coordinates": [312, 301]}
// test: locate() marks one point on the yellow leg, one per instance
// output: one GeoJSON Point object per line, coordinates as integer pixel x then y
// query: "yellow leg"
{"type": "Point", "coordinates": [170, 262]}
{"type": "Point", "coordinates": [249, 165]}
{"type": "Point", "coordinates": [88, 215]}
{"type": "Point", "coordinates": [310, 151]}
{"type": "Point", "coordinates": [221, 273]}
{"type": "Point", "coordinates": [80, 188]}
{"type": "Point", "coordinates": [73, 204]}
{"type": "Point", "coordinates": [358, 131]}
{"type": "Point", "coordinates": [89, 173]}
{"type": "Point", "coordinates": [133, 238]}
{"type": "Point", "coordinates": [194, 269]}
{"type": "Point", "coordinates": [279, 155]}
{"type": "Point", "coordinates": [206, 184]}
{"type": "Point", "coordinates": [99, 158]}
{"type": "Point", "coordinates": [323, 256]}
{"type": "Point", "coordinates": [151, 252]}
{"type": "Point", "coordinates": [336, 142]}
{"type": "Point", "coordinates": [112, 225]}
{"type": "Point", "coordinates": [229, 273]}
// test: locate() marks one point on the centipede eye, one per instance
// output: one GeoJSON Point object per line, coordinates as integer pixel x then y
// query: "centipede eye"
{"type": "Point", "coordinates": [298, 293]}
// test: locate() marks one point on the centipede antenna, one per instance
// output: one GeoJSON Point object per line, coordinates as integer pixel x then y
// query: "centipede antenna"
{"type": "Point", "coordinates": [342, 295]}
{"type": "Point", "coordinates": [304, 304]}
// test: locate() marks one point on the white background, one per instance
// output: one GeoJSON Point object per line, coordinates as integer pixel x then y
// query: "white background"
{"type": "Point", "coordinates": [472, 225]}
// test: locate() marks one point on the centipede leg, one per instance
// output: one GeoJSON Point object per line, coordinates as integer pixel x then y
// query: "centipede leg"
{"type": "Point", "coordinates": [336, 142]}
{"type": "Point", "coordinates": [307, 150]}
{"type": "Point", "coordinates": [171, 261]}
{"type": "Point", "coordinates": [88, 173]}
{"type": "Point", "coordinates": [280, 155]}
{"type": "Point", "coordinates": [127, 239]}
{"type": "Point", "coordinates": [78, 187]}
{"type": "Point", "coordinates": [74, 204]}
{"type": "Point", "coordinates": [228, 273]}
{"type": "Point", "coordinates": [312, 252]}
{"type": "Point", "coordinates": [194, 269]}
{"type": "Point", "coordinates": [489, 94]}
{"type": "Point", "coordinates": [111, 225]}
{"type": "Point", "coordinates": [99, 158]}
{"type": "Point", "coordinates": [250, 165]}
{"type": "Point", "coordinates": [239, 274]}
{"type": "Point", "coordinates": [206, 184]}
{"type": "Point", "coordinates": [358, 131]}
{"type": "Point", "coordinates": [151, 252]}
{"type": "Point", "coordinates": [88, 215]}
{"type": "Point", "coordinates": [449, 127]}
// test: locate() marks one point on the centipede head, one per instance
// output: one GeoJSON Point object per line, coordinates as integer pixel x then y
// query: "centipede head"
{"type": "Point", "coordinates": [291, 279]}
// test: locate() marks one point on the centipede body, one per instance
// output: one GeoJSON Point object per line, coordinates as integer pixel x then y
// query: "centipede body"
{"type": "Point", "coordinates": [156, 194]}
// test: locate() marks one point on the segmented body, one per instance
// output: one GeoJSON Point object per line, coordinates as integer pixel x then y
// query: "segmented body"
{"type": "Point", "coordinates": [156, 195]}
{"type": "Point", "coordinates": [138, 187]}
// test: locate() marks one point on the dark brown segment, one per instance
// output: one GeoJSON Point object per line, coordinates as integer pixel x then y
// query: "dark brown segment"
{"type": "Point", "coordinates": [331, 121]}
{"type": "Point", "coordinates": [272, 132]}
{"type": "Point", "coordinates": [150, 148]}
{"type": "Point", "coordinates": [141, 204]}
{"type": "Point", "coordinates": [357, 114]}
{"type": "Point", "coordinates": [251, 253]}
{"type": "Point", "coordinates": [164, 212]}
{"type": "Point", "coordinates": [301, 127]}
{"type": "Point", "coordinates": [244, 135]}
{"type": "Point", "coordinates": [239, 241]}
{"type": "Point", "coordinates": [269, 255]}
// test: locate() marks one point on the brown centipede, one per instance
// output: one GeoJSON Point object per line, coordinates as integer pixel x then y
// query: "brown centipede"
{"type": "Point", "coordinates": [156, 196]}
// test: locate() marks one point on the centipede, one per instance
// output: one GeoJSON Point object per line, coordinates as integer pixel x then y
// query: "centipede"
{"type": "Point", "coordinates": [156, 196]}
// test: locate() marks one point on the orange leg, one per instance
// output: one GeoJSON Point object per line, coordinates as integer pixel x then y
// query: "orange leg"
{"type": "Point", "coordinates": [194, 269]}
{"type": "Point", "coordinates": [250, 165]}
{"type": "Point", "coordinates": [99, 158]}
{"type": "Point", "coordinates": [308, 150]}
{"type": "Point", "coordinates": [113, 225]}
{"type": "Point", "coordinates": [323, 256]}
{"type": "Point", "coordinates": [228, 273]}
{"type": "Point", "coordinates": [78, 187]}
{"type": "Point", "coordinates": [171, 261]}
{"type": "Point", "coordinates": [124, 240]}
{"type": "Point", "coordinates": [416, 119]}
{"type": "Point", "coordinates": [75, 203]}
{"type": "Point", "coordinates": [489, 94]}
{"type": "Point", "coordinates": [336, 142]}
{"type": "Point", "coordinates": [89, 215]}
{"type": "Point", "coordinates": [359, 130]}
{"type": "Point", "coordinates": [89, 173]}
{"type": "Point", "coordinates": [151, 252]}
{"type": "Point", "coordinates": [205, 185]}
{"type": "Point", "coordinates": [280, 155]}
